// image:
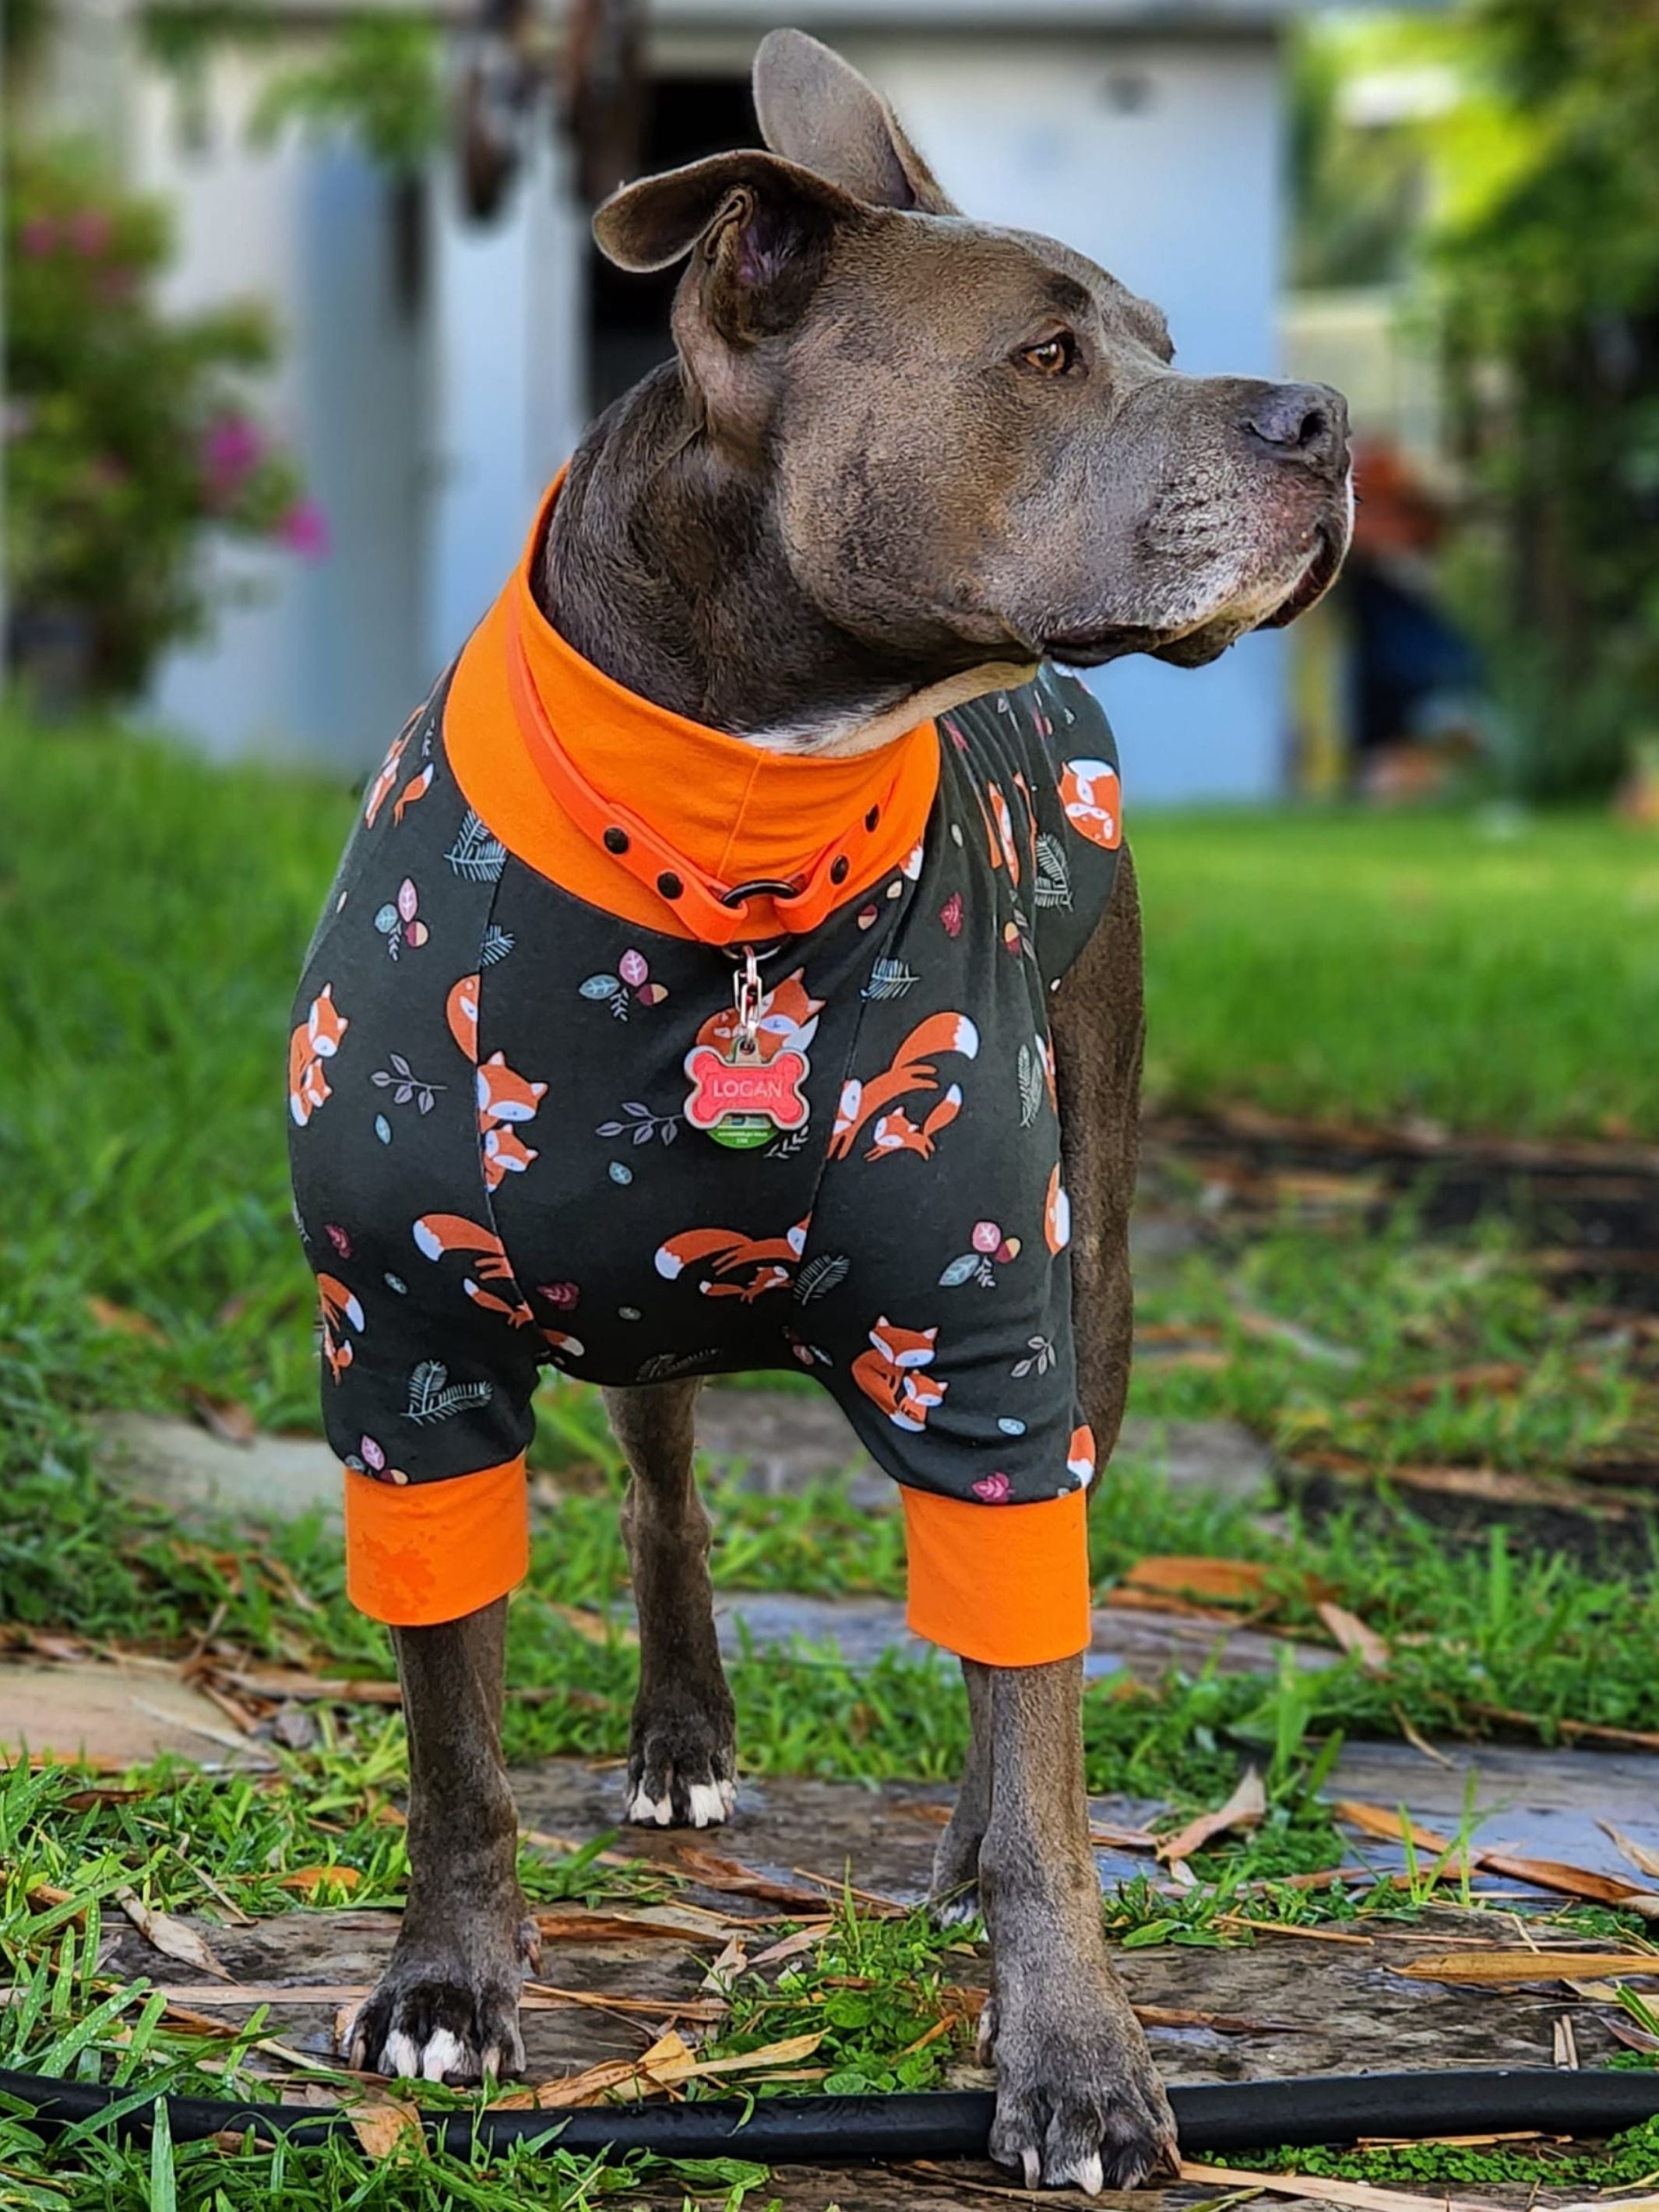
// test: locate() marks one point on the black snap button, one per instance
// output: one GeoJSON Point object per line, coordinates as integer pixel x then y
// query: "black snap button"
{"type": "Point", "coordinates": [616, 840]}
{"type": "Point", "coordinates": [838, 869]}
{"type": "Point", "coordinates": [670, 885]}
{"type": "Point", "coordinates": [872, 818]}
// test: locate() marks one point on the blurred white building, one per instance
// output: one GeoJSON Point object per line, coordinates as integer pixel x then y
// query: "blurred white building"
{"type": "Point", "coordinates": [435, 374]}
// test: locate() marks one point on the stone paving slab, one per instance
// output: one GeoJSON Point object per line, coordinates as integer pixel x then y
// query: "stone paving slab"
{"type": "Point", "coordinates": [1322, 2006]}
{"type": "Point", "coordinates": [124, 1714]}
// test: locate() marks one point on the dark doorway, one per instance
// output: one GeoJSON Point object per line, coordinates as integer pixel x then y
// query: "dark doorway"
{"type": "Point", "coordinates": [628, 316]}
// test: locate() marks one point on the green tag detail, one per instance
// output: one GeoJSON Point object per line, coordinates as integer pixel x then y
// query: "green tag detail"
{"type": "Point", "coordinates": [743, 1131]}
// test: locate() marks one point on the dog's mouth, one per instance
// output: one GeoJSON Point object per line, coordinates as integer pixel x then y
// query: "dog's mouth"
{"type": "Point", "coordinates": [1318, 573]}
{"type": "Point", "coordinates": [1271, 606]}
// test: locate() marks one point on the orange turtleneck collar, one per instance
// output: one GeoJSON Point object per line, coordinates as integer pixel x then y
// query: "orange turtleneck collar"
{"type": "Point", "coordinates": [657, 819]}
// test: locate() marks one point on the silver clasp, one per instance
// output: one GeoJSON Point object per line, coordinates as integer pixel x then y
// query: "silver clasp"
{"type": "Point", "coordinates": [746, 992]}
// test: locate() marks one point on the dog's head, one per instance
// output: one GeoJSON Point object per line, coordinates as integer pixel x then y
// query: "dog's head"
{"type": "Point", "coordinates": [976, 440]}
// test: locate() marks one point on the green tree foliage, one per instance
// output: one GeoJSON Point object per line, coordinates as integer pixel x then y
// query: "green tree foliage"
{"type": "Point", "coordinates": [1548, 251]}
{"type": "Point", "coordinates": [127, 432]}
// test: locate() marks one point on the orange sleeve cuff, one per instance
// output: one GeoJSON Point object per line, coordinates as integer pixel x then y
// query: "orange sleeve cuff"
{"type": "Point", "coordinates": [1005, 1585]}
{"type": "Point", "coordinates": [421, 1553]}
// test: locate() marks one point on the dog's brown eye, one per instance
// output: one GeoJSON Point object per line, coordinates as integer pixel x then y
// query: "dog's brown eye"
{"type": "Point", "coordinates": [1051, 356]}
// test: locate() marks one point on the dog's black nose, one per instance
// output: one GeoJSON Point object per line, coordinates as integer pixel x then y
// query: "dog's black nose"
{"type": "Point", "coordinates": [1302, 422]}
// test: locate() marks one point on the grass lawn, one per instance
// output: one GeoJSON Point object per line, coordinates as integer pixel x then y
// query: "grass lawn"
{"type": "Point", "coordinates": [156, 913]}
{"type": "Point", "coordinates": [1492, 973]}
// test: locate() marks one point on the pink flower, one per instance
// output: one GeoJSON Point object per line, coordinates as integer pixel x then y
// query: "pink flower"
{"type": "Point", "coordinates": [304, 529]}
{"type": "Point", "coordinates": [950, 915]}
{"type": "Point", "coordinates": [562, 1295]}
{"type": "Point", "coordinates": [338, 1239]}
{"type": "Point", "coordinates": [993, 1489]}
{"type": "Point", "coordinates": [38, 237]}
{"type": "Point", "coordinates": [987, 1236]}
{"type": "Point", "coordinates": [231, 450]}
{"type": "Point", "coordinates": [90, 231]}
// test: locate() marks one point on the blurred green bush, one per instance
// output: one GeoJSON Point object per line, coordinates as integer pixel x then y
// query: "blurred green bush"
{"type": "Point", "coordinates": [130, 437]}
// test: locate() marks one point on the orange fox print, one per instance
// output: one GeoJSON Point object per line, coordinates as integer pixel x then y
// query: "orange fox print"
{"type": "Point", "coordinates": [504, 1097]}
{"type": "Point", "coordinates": [1057, 1215]}
{"type": "Point", "coordinates": [1081, 1456]}
{"type": "Point", "coordinates": [461, 1013]}
{"type": "Point", "coordinates": [416, 789]}
{"type": "Point", "coordinates": [315, 1040]}
{"type": "Point", "coordinates": [912, 1069]}
{"type": "Point", "coordinates": [1093, 799]}
{"type": "Point", "coordinates": [788, 1017]}
{"type": "Point", "coordinates": [385, 775]}
{"type": "Point", "coordinates": [891, 1374]}
{"type": "Point", "coordinates": [1005, 828]}
{"type": "Point", "coordinates": [767, 1263]}
{"type": "Point", "coordinates": [435, 1234]}
{"type": "Point", "coordinates": [895, 1132]}
{"type": "Point", "coordinates": [341, 1311]}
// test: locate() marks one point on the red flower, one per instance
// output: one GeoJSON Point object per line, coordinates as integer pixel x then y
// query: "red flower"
{"type": "Point", "coordinates": [993, 1489]}
{"type": "Point", "coordinates": [950, 915]}
{"type": "Point", "coordinates": [564, 1296]}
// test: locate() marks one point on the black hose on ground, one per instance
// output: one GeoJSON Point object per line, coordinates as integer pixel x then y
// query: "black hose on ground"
{"type": "Point", "coordinates": [1213, 2116]}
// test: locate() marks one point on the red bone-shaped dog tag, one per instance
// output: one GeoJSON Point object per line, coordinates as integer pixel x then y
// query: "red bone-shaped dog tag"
{"type": "Point", "coordinates": [741, 1099]}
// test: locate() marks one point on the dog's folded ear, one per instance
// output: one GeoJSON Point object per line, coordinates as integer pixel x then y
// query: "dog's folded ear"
{"type": "Point", "coordinates": [816, 109]}
{"type": "Point", "coordinates": [761, 226]}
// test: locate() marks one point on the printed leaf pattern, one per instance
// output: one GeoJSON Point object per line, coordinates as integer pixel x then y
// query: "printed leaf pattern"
{"type": "Point", "coordinates": [1030, 1070]}
{"type": "Point", "coordinates": [889, 979]}
{"type": "Point", "coordinates": [476, 856]}
{"type": "Point", "coordinates": [497, 944]}
{"type": "Point", "coordinates": [434, 1397]}
{"type": "Point", "coordinates": [1052, 887]}
{"type": "Point", "coordinates": [821, 1276]}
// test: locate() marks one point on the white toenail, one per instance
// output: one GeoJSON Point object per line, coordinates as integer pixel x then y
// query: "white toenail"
{"type": "Point", "coordinates": [400, 2058]}
{"type": "Point", "coordinates": [444, 2055]}
{"type": "Point", "coordinates": [1031, 2167]}
{"type": "Point", "coordinates": [708, 1807]}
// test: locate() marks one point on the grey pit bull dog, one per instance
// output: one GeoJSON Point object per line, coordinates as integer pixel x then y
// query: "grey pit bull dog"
{"type": "Point", "coordinates": [934, 453]}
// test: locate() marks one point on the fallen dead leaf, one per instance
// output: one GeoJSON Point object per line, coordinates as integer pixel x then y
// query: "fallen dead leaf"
{"type": "Point", "coordinates": [122, 1320]}
{"type": "Point", "coordinates": [1230, 1582]}
{"type": "Point", "coordinates": [227, 1418]}
{"type": "Point", "coordinates": [1351, 1634]}
{"type": "Point", "coordinates": [385, 2125]}
{"type": "Point", "coordinates": [1557, 1875]}
{"type": "Point", "coordinates": [1644, 1860]}
{"type": "Point", "coordinates": [169, 1934]}
{"type": "Point", "coordinates": [1502, 1969]}
{"type": "Point", "coordinates": [312, 1879]}
{"type": "Point", "coordinates": [710, 1871]}
{"type": "Point", "coordinates": [1246, 1808]}
{"type": "Point", "coordinates": [1358, 2194]}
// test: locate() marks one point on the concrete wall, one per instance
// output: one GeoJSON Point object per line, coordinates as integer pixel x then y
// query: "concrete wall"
{"type": "Point", "coordinates": [312, 658]}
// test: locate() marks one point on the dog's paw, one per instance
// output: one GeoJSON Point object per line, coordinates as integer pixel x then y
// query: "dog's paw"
{"type": "Point", "coordinates": [953, 1899]}
{"type": "Point", "coordinates": [681, 1769]}
{"type": "Point", "coordinates": [446, 2010]}
{"type": "Point", "coordinates": [1080, 2105]}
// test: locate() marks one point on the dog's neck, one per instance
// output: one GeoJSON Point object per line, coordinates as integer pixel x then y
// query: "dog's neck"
{"type": "Point", "coordinates": [664, 567]}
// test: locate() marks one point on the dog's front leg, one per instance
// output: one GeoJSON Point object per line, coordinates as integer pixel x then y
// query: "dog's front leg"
{"type": "Point", "coordinates": [1078, 2100]}
{"type": "Point", "coordinates": [446, 2008]}
{"type": "Point", "coordinates": [682, 1753]}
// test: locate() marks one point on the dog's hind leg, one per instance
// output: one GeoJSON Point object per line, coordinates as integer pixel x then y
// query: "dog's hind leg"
{"type": "Point", "coordinates": [954, 1896]}
{"type": "Point", "coordinates": [682, 1761]}
{"type": "Point", "coordinates": [1079, 2099]}
{"type": "Point", "coordinates": [446, 2008]}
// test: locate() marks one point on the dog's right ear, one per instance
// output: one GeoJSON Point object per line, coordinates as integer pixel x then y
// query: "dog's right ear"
{"type": "Point", "coordinates": [760, 228]}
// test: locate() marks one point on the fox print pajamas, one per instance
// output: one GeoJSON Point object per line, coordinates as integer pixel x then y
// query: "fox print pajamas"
{"type": "Point", "coordinates": [626, 1047]}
